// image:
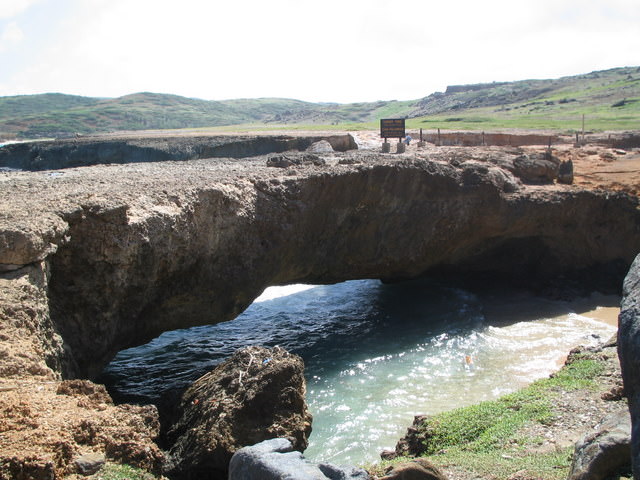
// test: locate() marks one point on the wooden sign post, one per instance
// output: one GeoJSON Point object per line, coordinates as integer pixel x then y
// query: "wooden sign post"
{"type": "Point", "coordinates": [392, 128]}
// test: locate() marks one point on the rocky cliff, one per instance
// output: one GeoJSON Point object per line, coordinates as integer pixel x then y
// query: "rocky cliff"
{"type": "Point", "coordinates": [57, 154]}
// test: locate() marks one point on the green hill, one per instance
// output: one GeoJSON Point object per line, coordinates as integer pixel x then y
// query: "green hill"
{"type": "Point", "coordinates": [610, 100]}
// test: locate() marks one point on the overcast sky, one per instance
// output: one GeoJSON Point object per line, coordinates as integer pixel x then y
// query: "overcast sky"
{"type": "Point", "coordinates": [329, 50]}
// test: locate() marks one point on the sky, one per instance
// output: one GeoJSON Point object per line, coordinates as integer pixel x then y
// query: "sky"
{"type": "Point", "coordinates": [322, 51]}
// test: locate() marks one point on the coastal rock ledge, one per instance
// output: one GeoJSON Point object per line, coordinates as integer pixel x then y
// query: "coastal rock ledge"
{"type": "Point", "coordinates": [100, 258]}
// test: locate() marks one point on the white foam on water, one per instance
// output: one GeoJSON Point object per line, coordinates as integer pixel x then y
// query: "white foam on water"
{"type": "Point", "coordinates": [374, 401]}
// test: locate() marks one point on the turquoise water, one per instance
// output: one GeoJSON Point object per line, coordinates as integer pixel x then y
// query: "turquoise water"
{"type": "Point", "coordinates": [375, 355]}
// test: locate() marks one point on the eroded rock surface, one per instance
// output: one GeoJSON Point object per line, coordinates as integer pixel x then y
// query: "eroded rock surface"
{"type": "Point", "coordinates": [628, 349]}
{"type": "Point", "coordinates": [255, 395]}
{"type": "Point", "coordinates": [50, 430]}
{"type": "Point", "coordinates": [605, 452]}
{"type": "Point", "coordinates": [125, 252]}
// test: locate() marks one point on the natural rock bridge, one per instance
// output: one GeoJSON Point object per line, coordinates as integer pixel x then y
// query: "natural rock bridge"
{"type": "Point", "coordinates": [117, 254]}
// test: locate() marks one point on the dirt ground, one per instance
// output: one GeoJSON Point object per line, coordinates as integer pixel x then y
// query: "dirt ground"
{"type": "Point", "coordinates": [595, 166]}
{"type": "Point", "coordinates": [602, 167]}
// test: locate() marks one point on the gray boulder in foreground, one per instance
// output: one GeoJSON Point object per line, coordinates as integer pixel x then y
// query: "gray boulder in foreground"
{"type": "Point", "coordinates": [603, 453]}
{"type": "Point", "coordinates": [275, 459]}
{"type": "Point", "coordinates": [628, 348]}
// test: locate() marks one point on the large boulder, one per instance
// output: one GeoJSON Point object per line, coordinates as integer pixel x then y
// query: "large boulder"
{"type": "Point", "coordinates": [321, 146]}
{"type": "Point", "coordinates": [603, 453]}
{"type": "Point", "coordinates": [628, 348]}
{"type": "Point", "coordinates": [276, 459]}
{"type": "Point", "coordinates": [536, 168]}
{"type": "Point", "coordinates": [565, 172]}
{"type": "Point", "coordinates": [257, 394]}
{"type": "Point", "coordinates": [417, 469]}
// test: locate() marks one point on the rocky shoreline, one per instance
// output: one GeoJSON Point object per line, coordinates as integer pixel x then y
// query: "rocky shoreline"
{"type": "Point", "coordinates": [99, 258]}
{"type": "Point", "coordinates": [576, 415]}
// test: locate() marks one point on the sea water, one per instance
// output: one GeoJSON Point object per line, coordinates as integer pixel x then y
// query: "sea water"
{"type": "Point", "coordinates": [376, 355]}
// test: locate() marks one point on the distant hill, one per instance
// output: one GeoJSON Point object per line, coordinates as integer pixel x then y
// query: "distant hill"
{"type": "Point", "coordinates": [610, 98]}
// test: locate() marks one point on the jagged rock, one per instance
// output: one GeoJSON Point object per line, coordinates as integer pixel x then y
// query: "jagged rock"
{"type": "Point", "coordinates": [276, 459]}
{"type": "Point", "coordinates": [536, 168]}
{"type": "Point", "coordinates": [90, 463]}
{"type": "Point", "coordinates": [285, 161]}
{"type": "Point", "coordinates": [412, 444]}
{"type": "Point", "coordinates": [628, 350]}
{"type": "Point", "coordinates": [93, 392]}
{"type": "Point", "coordinates": [323, 146]}
{"type": "Point", "coordinates": [475, 174]}
{"type": "Point", "coordinates": [388, 454]}
{"type": "Point", "coordinates": [49, 428]}
{"type": "Point", "coordinates": [418, 469]}
{"type": "Point", "coordinates": [565, 172]}
{"type": "Point", "coordinates": [615, 394]}
{"type": "Point", "coordinates": [257, 394]}
{"type": "Point", "coordinates": [603, 453]}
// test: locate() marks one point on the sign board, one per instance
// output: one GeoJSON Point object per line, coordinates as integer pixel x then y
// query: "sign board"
{"type": "Point", "coordinates": [392, 127]}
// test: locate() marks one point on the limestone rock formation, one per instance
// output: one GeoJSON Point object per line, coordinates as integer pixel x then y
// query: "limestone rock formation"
{"type": "Point", "coordinates": [52, 430]}
{"type": "Point", "coordinates": [603, 453]}
{"type": "Point", "coordinates": [276, 459]}
{"type": "Point", "coordinates": [628, 348]}
{"type": "Point", "coordinates": [255, 395]}
{"type": "Point", "coordinates": [117, 254]}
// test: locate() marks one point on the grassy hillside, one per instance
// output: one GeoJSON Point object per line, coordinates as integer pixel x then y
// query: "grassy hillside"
{"type": "Point", "coordinates": [25, 105]}
{"type": "Point", "coordinates": [609, 100]}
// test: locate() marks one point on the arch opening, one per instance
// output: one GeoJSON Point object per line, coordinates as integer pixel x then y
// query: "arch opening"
{"type": "Point", "coordinates": [375, 354]}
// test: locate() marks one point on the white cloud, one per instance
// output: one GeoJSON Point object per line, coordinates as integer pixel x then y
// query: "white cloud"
{"type": "Point", "coordinates": [11, 35]}
{"type": "Point", "coordinates": [353, 50]}
{"type": "Point", "coordinates": [11, 8]}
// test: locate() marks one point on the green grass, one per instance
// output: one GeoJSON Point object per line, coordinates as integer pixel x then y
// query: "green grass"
{"type": "Point", "coordinates": [489, 425]}
{"type": "Point", "coordinates": [114, 471]}
{"type": "Point", "coordinates": [496, 464]}
{"type": "Point", "coordinates": [487, 440]}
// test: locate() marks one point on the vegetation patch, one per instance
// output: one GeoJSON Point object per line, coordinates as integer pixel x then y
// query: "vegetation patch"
{"type": "Point", "coordinates": [494, 439]}
{"type": "Point", "coordinates": [114, 471]}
